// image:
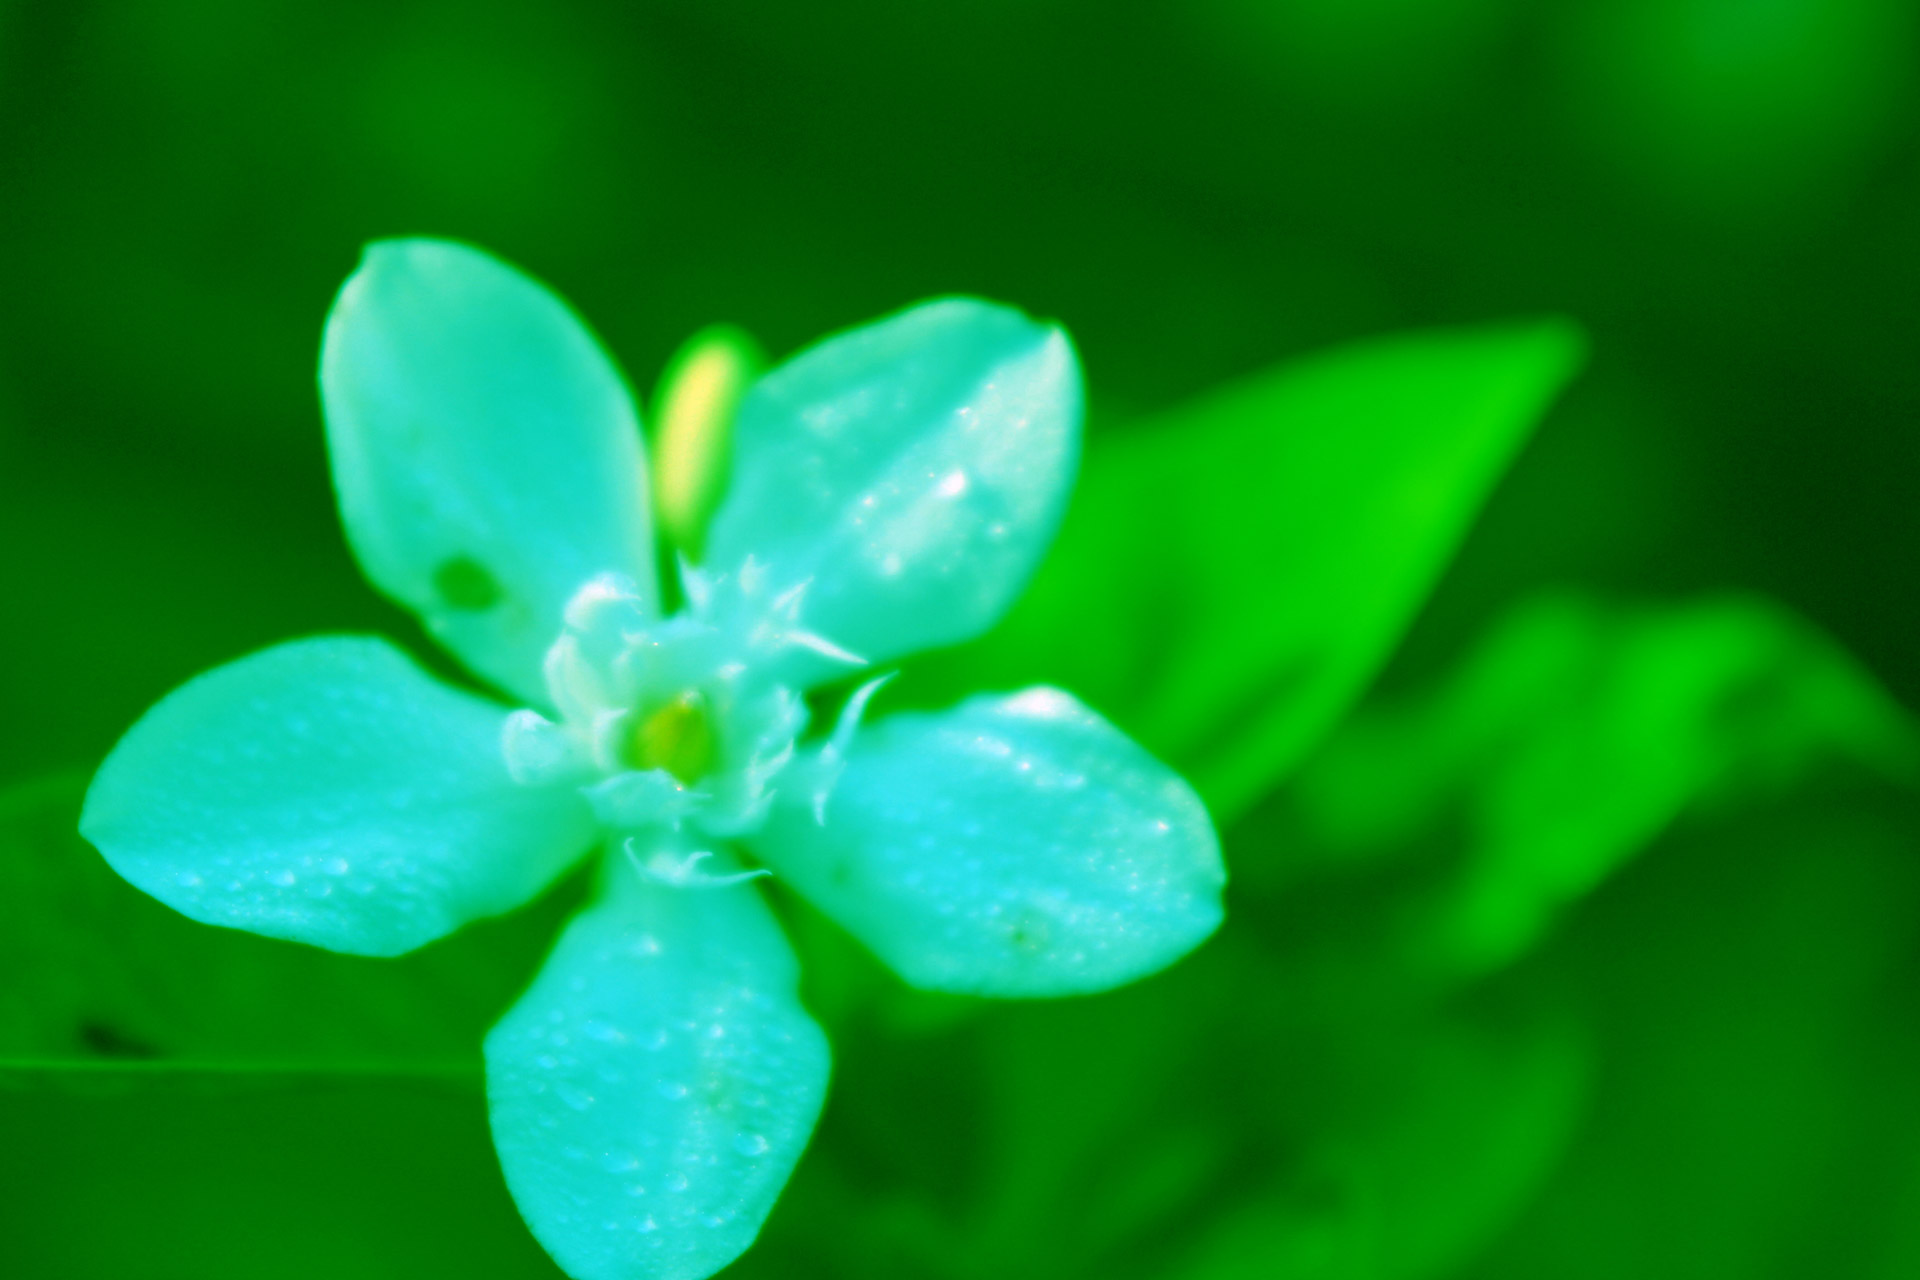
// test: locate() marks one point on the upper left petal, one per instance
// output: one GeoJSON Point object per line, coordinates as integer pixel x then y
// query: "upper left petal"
{"type": "Point", "coordinates": [329, 791]}
{"type": "Point", "coordinates": [485, 449]}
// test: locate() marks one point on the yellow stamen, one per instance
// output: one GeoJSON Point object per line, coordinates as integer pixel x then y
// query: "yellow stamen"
{"type": "Point", "coordinates": [693, 429]}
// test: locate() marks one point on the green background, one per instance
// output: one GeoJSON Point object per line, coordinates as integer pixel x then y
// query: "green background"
{"type": "Point", "coordinates": [1706, 1066]}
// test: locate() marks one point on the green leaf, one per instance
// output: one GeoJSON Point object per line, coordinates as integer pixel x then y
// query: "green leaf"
{"type": "Point", "coordinates": [1751, 989]}
{"type": "Point", "coordinates": [1103, 1121]}
{"type": "Point", "coordinates": [101, 985]}
{"type": "Point", "coordinates": [1231, 575]}
{"type": "Point", "coordinates": [1429, 1137]}
{"type": "Point", "coordinates": [1240, 1116]}
{"type": "Point", "coordinates": [1574, 735]}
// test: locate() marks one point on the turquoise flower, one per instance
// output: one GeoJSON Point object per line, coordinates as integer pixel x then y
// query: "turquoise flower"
{"type": "Point", "coordinates": [892, 489]}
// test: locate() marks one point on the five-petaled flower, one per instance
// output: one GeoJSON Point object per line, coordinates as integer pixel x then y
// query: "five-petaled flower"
{"type": "Point", "coordinates": [892, 490]}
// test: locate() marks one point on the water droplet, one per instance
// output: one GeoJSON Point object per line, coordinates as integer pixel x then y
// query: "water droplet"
{"type": "Point", "coordinates": [672, 1090]}
{"type": "Point", "coordinates": [605, 1032]}
{"type": "Point", "coordinates": [619, 1162]}
{"type": "Point", "coordinates": [336, 866]}
{"type": "Point", "coordinates": [546, 1062]}
{"type": "Point", "coordinates": [284, 878]}
{"type": "Point", "coordinates": [187, 880]}
{"type": "Point", "coordinates": [676, 1182]}
{"type": "Point", "coordinates": [647, 1224]}
{"type": "Point", "coordinates": [574, 1096]}
{"type": "Point", "coordinates": [751, 1144]}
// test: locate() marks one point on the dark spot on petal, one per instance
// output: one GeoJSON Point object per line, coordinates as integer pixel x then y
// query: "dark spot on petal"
{"type": "Point", "coordinates": [1028, 932]}
{"type": "Point", "coordinates": [464, 583]}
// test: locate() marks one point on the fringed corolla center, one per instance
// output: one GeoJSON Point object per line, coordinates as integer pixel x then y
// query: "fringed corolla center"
{"type": "Point", "coordinates": [681, 721]}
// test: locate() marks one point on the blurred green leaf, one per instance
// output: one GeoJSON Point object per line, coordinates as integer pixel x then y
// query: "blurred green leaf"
{"type": "Point", "coordinates": [1232, 574]}
{"type": "Point", "coordinates": [1572, 736]}
{"type": "Point", "coordinates": [1751, 989]}
{"type": "Point", "coordinates": [1102, 1123]}
{"type": "Point", "coordinates": [373, 1178]}
{"type": "Point", "coordinates": [1430, 1136]}
{"type": "Point", "coordinates": [101, 985]}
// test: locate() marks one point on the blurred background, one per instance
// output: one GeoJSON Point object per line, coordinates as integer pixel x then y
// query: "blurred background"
{"type": "Point", "coordinates": [1707, 1068]}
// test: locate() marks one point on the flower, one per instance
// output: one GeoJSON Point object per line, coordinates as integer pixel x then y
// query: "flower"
{"type": "Point", "coordinates": [893, 488]}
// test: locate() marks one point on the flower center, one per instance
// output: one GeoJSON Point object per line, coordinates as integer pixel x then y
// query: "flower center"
{"type": "Point", "coordinates": [677, 737]}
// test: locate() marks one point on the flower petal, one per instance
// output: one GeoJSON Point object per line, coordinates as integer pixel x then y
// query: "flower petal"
{"type": "Point", "coordinates": [915, 470]}
{"type": "Point", "coordinates": [485, 449]}
{"type": "Point", "coordinates": [329, 791]}
{"type": "Point", "coordinates": [652, 1091]}
{"type": "Point", "coordinates": [1013, 846]}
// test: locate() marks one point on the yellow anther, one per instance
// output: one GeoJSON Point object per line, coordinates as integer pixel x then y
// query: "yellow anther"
{"type": "Point", "coordinates": [677, 737]}
{"type": "Point", "coordinates": [693, 429]}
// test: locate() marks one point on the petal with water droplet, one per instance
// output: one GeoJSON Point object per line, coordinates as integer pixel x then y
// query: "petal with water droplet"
{"type": "Point", "coordinates": [329, 791]}
{"type": "Point", "coordinates": [652, 1091]}
{"type": "Point", "coordinates": [914, 470]}
{"type": "Point", "coordinates": [485, 449]}
{"type": "Point", "coordinates": [1012, 846]}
